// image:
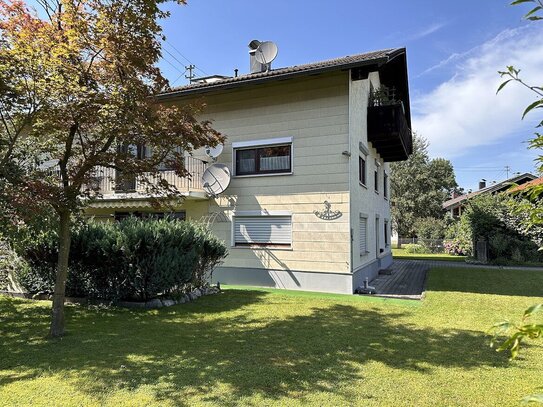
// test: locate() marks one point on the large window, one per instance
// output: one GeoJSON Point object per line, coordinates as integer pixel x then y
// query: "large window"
{"type": "Point", "coordinates": [376, 179]}
{"type": "Point", "coordinates": [263, 159]}
{"type": "Point", "coordinates": [363, 235]}
{"type": "Point", "coordinates": [262, 230]}
{"type": "Point", "coordinates": [387, 243]}
{"type": "Point", "coordinates": [362, 170]}
{"type": "Point", "coordinates": [385, 185]}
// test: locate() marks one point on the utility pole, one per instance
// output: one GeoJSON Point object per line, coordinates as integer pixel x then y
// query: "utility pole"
{"type": "Point", "coordinates": [191, 75]}
{"type": "Point", "coordinates": [507, 169]}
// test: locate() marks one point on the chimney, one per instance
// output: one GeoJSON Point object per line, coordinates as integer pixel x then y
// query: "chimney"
{"type": "Point", "coordinates": [256, 66]}
{"type": "Point", "coordinates": [482, 183]}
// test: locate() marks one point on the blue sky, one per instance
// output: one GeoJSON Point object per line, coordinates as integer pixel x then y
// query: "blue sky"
{"type": "Point", "coordinates": [455, 49]}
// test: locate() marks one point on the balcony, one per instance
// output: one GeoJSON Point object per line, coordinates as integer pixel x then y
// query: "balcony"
{"type": "Point", "coordinates": [388, 130]}
{"type": "Point", "coordinates": [191, 187]}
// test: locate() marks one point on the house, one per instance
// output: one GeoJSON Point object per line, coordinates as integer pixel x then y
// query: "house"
{"type": "Point", "coordinates": [456, 204]}
{"type": "Point", "coordinates": [308, 148]}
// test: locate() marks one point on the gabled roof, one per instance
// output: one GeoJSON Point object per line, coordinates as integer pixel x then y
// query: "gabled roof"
{"type": "Point", "coordinates": [369, 58]}
{"type": "Point", "coordinates": [454, 202]}
{"type": "Point", "coordinates": [537, 181]}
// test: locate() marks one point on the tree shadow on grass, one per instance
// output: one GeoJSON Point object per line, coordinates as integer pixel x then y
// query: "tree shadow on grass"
{"type": "Point", "coordinates": [524, 283]}
{"type": "Point", "coordinates": [187, 350]}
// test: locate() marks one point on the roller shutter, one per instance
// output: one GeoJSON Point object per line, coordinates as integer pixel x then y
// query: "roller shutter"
{"type": "Point", "coordinates": [263, 230]}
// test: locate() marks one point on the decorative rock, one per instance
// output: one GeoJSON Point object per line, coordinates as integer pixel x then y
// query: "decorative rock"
{"type": "Point", "coordinates": [197, 293]}
{"type": "Point", "coordinates": [168, 303]}
{"type": "Point", "coordinates": [180, 300]}
{"type": "Point", "coordinates": [156, 303]}
{"type": "Point", "coordinates": [36, 296]}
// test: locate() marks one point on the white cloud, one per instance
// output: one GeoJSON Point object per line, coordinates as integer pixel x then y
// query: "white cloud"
{"type": "Point", "coordinates": [464, 112]}
{"type": "Point", "coordinates": [426, 31]}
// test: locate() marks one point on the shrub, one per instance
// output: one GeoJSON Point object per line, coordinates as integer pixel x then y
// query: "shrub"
{"type": "Point", "coordinates": [132, 259]}
{"type": "Point", "coordinates": [10, 265]}
{"type": "Point", "coordinates": [415, 249]}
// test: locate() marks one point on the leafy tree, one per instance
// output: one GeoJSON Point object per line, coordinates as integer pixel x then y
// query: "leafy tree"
{"type": "Point", "coordinates": [419, 186]}
{"type": "Point", "coordinates": [76, 92]}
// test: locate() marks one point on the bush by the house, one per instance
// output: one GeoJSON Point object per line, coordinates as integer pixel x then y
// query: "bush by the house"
{"type": "Point", "coordinates": [133, 259]}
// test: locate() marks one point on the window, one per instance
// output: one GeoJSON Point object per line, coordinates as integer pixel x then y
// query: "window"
{"type": "Point", "coordinates": [258, 158]}
{"type": "Point", "coordinates": [362, 170]}
{"type": "Point", "coordinates": [385, 185]}
{"type": "Point", "coordinates": [376, 180]}
{"type": "Point", "coordinates": [363, 235]}
{"type": "Point", "coordinates": [262, 230]}
{"type": "Point", "coordinates": [386, 233]}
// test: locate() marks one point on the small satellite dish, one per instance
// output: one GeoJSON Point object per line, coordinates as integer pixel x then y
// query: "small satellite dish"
{"type": "Point", "coordinates": [214, 152]}
{"type": "Point", "coordinates": [266, 52]}
{"type": "Point", "coordinates": [216, 179]}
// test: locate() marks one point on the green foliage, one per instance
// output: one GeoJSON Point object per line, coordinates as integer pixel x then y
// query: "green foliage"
{"type": "Point", "coordinates": [419, 186]}
{"type": "Point", "coordinates": [459, 238]}
{"type": "Point", "coordinates": [494, 218]}
{"type": "Point", "coordinates": [414, 248]}
{"type": "Point", "coordinates": [518, 333]}
{"type": "Point", "coordinates": [132, 259]}
{"type": "Point", "coordinates": [430, 228]}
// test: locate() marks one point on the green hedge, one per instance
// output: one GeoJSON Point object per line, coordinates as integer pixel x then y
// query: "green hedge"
{"type": "Point", "coordinates": [131, 260]}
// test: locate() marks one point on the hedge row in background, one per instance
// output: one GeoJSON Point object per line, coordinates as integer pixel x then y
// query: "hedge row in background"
{"type": "Point", "coordinates": [130, 260]}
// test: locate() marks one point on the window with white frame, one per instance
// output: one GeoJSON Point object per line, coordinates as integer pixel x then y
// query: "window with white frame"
{"type": "Point", "coordinates": [263, 157]}
{"type": "Point", "coordinates": [363, 235]}
{"type": "Point", "coordinates": [262, 230]}
{"type": "Point", "coordinates": [387, 243]}
{"type": "Point", "coordinates": [385, 185]}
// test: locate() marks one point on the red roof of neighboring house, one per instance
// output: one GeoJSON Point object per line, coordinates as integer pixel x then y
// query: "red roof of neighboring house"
{"type": "Point", "coordinates": [537, 181]}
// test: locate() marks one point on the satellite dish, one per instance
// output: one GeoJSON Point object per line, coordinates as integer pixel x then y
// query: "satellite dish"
{"type": "Point", "coordinates": [216, 179]}
{"type": "Point", "coordinates": [254, 44]}
{"type": "Point", "coordinates": [266, 52]}
{"type": "Point", "coordinates": [214, 152]}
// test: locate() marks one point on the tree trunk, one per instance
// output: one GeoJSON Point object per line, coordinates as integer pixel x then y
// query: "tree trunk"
{"type": "Point", "coordinates": [57, 322]}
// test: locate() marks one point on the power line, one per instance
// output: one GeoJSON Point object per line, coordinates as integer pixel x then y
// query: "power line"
{"type": "Point", "coordinates": [183, 56]}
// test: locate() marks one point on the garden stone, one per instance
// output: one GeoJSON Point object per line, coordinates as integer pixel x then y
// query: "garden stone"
{"type": "Point", "coordinates": [181, 300]}
{"type": "Point", "coordinates": [168, 303]}
{"type": "Point", "coordinates": [156, 303]}
{"type": "Point", "coordinates": [197, 293]}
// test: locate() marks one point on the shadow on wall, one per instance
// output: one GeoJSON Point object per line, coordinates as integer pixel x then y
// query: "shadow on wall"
{"type": "Point", "coordinates": [249, 350]}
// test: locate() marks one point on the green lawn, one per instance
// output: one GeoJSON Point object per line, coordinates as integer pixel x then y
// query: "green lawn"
{"type": "Point", "coordinates": [268, 347]}
{"type": "Point", "coordinates": [401, 254]}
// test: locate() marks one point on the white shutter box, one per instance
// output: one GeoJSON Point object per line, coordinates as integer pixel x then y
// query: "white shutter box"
{"type": "Point", "coordinates": [263, 229]}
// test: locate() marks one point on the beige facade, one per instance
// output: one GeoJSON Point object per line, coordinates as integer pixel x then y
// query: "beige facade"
{"type": "Point", "coordinates": [325, 119]}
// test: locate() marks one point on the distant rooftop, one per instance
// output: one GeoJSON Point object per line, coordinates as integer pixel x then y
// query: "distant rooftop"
{"type": "Point", "coordinates": [498, 186]}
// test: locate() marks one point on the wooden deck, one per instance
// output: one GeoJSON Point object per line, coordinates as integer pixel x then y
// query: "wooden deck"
{"type": "Point", "coordinates": [404, 279]}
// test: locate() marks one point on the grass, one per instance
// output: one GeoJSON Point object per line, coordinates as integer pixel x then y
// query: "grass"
{"type": "Point", "coordinates": [271, 347]}
{"type": "Point", "coordinates": [401, 254]}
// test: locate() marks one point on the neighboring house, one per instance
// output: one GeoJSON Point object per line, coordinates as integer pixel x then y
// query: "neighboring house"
{"type": "Point", "coordinates": [456, 205]}
{"type": "Point", "coordinates": [308, 148]}
{"type": "Point", "coordinates": [523, 187]}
